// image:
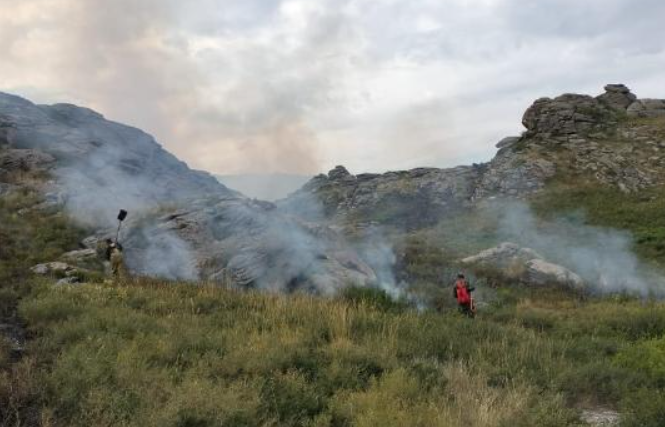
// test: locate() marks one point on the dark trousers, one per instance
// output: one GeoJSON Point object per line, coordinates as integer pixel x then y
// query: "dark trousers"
{"type": "Point", "coordinates": [465, 309]}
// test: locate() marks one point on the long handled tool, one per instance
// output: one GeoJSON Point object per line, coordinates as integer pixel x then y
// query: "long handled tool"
{"type": "Point", "coordinates": [121, 217]}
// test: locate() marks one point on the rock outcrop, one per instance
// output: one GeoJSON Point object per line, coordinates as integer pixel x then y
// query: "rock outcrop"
{"type": "Point", "coordinates": [599, 140]}
{"type": "Point", "coordinates": [245, 243]}
{"type": "Point", "coordinates": [525, 265]}
{"type": "Point", "coordinates": [92, 167]}
{"type": "Point", "coordinates": [617, 96]}
{"type": "Point", "coordinates": [567, 114]}
{"type": "Point", "coordinates": [56, 269]}
{"type": "Point", "coordinates": [183, 224]}
{"type": "Point", "coordinates": [101, 165]}
{"type": "Point", "coordinates": [647, 108]}
{"type": "Point", "coordinates": [406, 199]}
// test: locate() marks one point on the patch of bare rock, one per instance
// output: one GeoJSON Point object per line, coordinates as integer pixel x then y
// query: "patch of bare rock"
{"type": "Point", "coordinates": [525, 265]}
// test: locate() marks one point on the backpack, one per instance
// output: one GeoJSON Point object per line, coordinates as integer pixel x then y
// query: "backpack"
{"type": "Point", "coordinates": [462, 292]}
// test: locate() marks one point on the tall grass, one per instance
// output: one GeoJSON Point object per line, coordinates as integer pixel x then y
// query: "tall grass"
{"type": "Point", "coordinates": [165, 354]}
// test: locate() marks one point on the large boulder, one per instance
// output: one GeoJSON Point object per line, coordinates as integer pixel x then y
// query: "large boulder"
{"type": "Point", "coordinates": [541, 272]}
{"type": "Point", "coordinates": [647, 108]}
{"type": "Point", "coordinates": [56, 269]}
{"type": "Point", "coordinates": [526, 265]}
{"type": "Point", "coordinates": [617, 96]}
{"type": "Point", "coordinates": [567, 115]}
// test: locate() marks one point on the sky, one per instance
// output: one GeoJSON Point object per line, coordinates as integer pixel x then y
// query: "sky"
{"type": "Point", "coordinates": [299, 86]}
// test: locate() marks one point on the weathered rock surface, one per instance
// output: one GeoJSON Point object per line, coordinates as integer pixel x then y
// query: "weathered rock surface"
{"type": "Point", "coordinates": [406, 198]}
{"type": "Point", "coordinates": [601, 417]}
{"type": "Point", "coordinates": [101, 165]}
{"type": "Point", "coordinates": [93, 167]}
{"type": "Point", "coordinates": [566, 115]}
{"type": "Point", "coordinates": [647, 108]}
{"type": "Point", "coordinates": [84, 258]}
{"type": "Point", "coordinates": [525, 265]}
{"type": "Point", "coordinates": [24, 160]}
{"type": "Point", "coordinates": [617, 96]}
{"type": "Point", "coordinates": [503, 256]}
{"type": "Point", "coordinates": [55, 269]}
{"type": "Point", "coordinates": [247, 244]}
{"type": "Point", "coordinates": [591, 139]}
{"type": "Point", "coordinates": [541, 272]}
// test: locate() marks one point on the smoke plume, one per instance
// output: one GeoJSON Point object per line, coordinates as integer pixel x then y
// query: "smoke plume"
{"type": "Point", "coordinates": [603, 257]}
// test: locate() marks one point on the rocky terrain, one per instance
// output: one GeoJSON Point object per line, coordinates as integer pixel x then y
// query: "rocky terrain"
{"type": "Point", "coordinates": [524, 264]}
{"type": "Point", "coordinates": [613, 139]}
{"type": "Point", "coordinates": [183, 223]}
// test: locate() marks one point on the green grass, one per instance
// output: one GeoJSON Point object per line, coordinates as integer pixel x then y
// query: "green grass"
{"type": "Point", "coordinates": [640, 213]}
{"type": "Point", "coordinates": [27, 237]}
{"type": "Point", "coordinates": [146, 353]}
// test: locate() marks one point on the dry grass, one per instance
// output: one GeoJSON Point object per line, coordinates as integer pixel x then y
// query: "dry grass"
{"type": "Point", "coordinates": [150, 354]}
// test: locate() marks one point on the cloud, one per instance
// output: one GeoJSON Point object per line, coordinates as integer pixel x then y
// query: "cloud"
{"type": "Point", "coordinates": [298, 86]}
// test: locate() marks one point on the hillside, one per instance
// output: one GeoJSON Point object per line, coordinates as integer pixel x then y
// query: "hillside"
{"type": "Point", "coordinates": [155, 354]}
{"type": "Point", "coordinates": [183, 224]}
{"type": "Point", "coordinates": [612, 140]}
{"type": "Point", "coordinates": [583, 186]}
{"type": "Point", "coordinates": [359, 327]}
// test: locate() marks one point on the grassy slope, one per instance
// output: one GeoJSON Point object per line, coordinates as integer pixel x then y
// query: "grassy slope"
{"type": "Point", "coordinates": [166, 354]}
{"type": "Point", "coordinates": [642, 214]}
{"type": "Point", "coordinates": [163, 354]}
{"type": "Point", "coordinates": [27, 237]}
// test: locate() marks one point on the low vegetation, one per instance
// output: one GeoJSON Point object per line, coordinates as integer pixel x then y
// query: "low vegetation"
{"type": "Point", "coordinates": [639, 213]}
{"type": "Point", "coordinates": [27, 236]}
{"type": "Point", "coordinates": [151, 353]}
{"type": "Point", "coordinates": [147, 353]}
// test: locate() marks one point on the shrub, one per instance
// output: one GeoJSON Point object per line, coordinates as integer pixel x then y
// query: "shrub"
{"type": "Point", "coordinates": [372, 297]}
{"type": "Point", "coordinates": [644, 408]}
{"type": "Point", "coordinates": [647, 357]}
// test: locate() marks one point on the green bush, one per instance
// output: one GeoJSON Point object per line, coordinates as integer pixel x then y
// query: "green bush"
{"type": "Point", "coordinates": [372, 297]}
{"type": "Point", "coordinates": [647, 357]}
{"type": "Point", "coordinates": [644, 408]}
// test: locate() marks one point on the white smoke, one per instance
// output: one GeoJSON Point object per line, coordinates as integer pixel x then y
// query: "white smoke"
{"type": "Point", "coordinates": [165, 256]}
{"type": "Point", "coordinates": [378, 253]}
{"type": "Point", "coordinates": [603, 257]}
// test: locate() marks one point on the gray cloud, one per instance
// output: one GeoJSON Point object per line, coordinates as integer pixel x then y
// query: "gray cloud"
{"type": "Point", "coordinates": [300, 85]}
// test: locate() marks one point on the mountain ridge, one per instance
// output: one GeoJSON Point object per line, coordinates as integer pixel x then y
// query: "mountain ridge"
{"type": "Point", "coordinates": [595, 139]}
{"type": "Point", "coordinates": [183, 224]}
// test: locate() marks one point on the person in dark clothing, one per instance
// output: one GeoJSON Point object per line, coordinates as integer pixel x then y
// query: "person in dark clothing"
{"type": "Point", "coordinates": [462, 292]}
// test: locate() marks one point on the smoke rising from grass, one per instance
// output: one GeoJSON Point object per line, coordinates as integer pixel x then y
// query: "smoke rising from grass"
{"type": "Point", "coordinates": [378, 253]}
{"type": "Point", "coordinates": [166, 255]}
{"type": "Point", "coordinates": [603, 257]}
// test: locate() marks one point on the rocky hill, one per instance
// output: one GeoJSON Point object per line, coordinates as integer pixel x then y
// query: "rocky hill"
{"type": "Point", "coordinates": [97, 164]}
{"type": "Point", "coordinates": [183, 223]}
{"type": "Point", "coordinates": [613, 139]}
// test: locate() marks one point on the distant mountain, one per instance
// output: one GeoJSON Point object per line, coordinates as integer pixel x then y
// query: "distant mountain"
{"type": "Point", "coordinates": [269, 187]}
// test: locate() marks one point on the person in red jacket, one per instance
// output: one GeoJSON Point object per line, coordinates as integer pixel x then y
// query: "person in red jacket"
{"type": "Point", "coordinates": [462, 292]}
